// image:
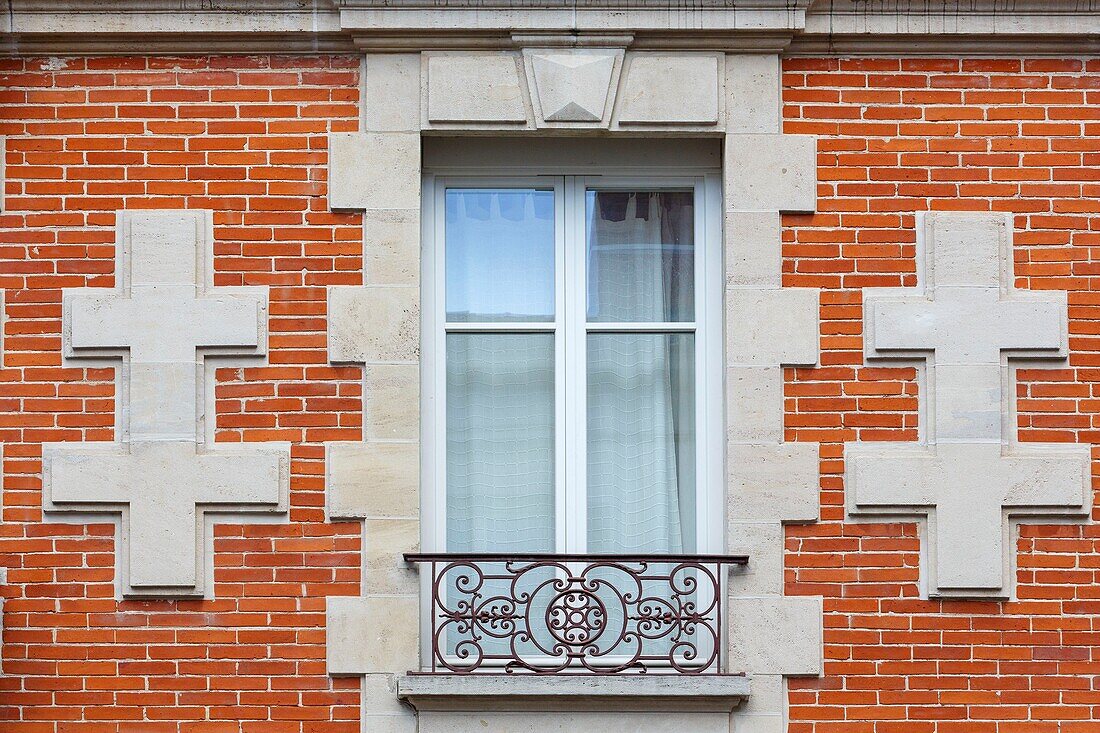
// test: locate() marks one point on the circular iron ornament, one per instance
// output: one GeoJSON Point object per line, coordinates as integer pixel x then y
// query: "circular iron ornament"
{"type": "Point", "coordinates": [575, 617]}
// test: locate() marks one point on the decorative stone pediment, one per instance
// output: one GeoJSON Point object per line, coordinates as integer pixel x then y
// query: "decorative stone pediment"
{"type": "Point", "coordinates": [164, 320]}
{"type": "Point", "coordinates": [969, 479]}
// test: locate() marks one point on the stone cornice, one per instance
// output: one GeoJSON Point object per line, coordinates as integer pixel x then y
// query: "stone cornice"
{"type": "Point", "coordinates": [1035, 27]}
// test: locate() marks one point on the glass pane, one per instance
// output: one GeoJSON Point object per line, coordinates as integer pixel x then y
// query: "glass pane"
{"type": "Point", "coordinates": [500, 255]}
{"type": "Point", "coordinates": [641, 442]}
{"type": "Point", "coordinates": [500, 442]}
{"type": "Point", "coordinates": [641, 256]}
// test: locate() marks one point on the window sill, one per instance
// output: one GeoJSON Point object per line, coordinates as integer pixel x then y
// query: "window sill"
{"type": "Point", "coordinates": [629, 692]}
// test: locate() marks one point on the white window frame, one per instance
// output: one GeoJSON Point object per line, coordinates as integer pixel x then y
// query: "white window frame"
{"type": "Point", "coordinates": [570, 185]}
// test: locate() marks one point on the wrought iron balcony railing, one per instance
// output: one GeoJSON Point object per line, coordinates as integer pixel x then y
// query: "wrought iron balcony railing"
{"type": "Point", "coordinates": [576, 614]}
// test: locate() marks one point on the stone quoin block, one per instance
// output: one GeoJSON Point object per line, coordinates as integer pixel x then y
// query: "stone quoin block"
{"type": "Point", "coordinates": [374, 170]}
{"type": "Point", "coordinates": [771, 173]}
{"type": "Point", "coordinates": [377, 634]}
{"type": "Point", "coordinates": [752, 93]}
{"type": "Point", "coordinates": [777, 635]}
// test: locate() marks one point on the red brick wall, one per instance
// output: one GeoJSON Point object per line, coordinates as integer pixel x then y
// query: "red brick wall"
{"type": "Point", "coordinates": [900, 136]}
{"type": "Point", "coordinates": [245, 136]}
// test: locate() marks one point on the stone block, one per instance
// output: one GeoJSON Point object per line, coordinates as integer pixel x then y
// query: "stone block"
{"type": "Point", "coordinates": [771, 173]}
{"type": "Point", "coordinates": [391, 247]}
{"type": "Point", "coordinates": [763, 543]}
{"type": "Point", "coordinates": [754, 250]}
{"type": "Point", "coordinates": [572, 85]}
{"type": "Point", "coordinates": [752, 93]}
{"type": "Point", "coordinates": [385, 542]}
{"type": "Point", "coordinates": [777, 483]}
{"type": "Point", "coordinates": [769, 698]}
{"type": "Point", "coordinates": [967, 402]}
{"type": "Point", "coordinates": [392, 100]}
{"type": "Point", "coordinates": [374, 324]}
{"type": "Point", "coordinates": [754, 408]}
{"type": "Point", "coordinates": [374, 171]}
{"type": "Point", "coordinates": [380, 696]}
{"type": "Point", "coordinates": [373, 480]}
{"type": "Point", "coordinates": [767, 327]}
{"type": "Point", "coordinates": [391, 402]}
{"type": "Point", "coordinates": [159, 248]}
{"type": "Point", "coordinates": [376, 634]}
{"type": "Point", "coordinates": [670, 89]}
{"type": "Point", "coordinates": [776, 635]}
{"type": "Point", "coordinates": [965, 249]}
{"type": "Point", "coordinates": [475, 88]}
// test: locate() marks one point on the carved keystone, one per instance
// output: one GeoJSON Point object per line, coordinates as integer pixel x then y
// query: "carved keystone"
{"type": "Point", "coordinates": [573, 85]}
{"type": "Point", "coordinates": [970, 479]}
{"type": "Point", "coordinates": [163, 318]}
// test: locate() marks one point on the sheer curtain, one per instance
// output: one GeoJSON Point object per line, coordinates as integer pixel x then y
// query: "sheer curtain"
{"type": "Point", "coordinates": [641, 414]}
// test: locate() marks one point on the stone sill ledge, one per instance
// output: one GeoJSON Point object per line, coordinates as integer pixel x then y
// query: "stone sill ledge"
{"type": "Point", "coordinates": [631, 692]}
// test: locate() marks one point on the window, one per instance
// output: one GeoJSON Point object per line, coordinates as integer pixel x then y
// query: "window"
{"type": "Point", "coordinates": [572, 371]}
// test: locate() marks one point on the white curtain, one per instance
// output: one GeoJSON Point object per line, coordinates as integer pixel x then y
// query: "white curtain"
{"type": "Point", "coordinates": [500, 442]}
{"type": "Point", "coordinates": [641, 416]}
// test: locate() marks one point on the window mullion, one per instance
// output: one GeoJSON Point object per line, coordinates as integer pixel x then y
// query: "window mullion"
{"type": "Point", "coordinates": [562, 432]}
{"type": "Point", "coordinates": [575, 376]}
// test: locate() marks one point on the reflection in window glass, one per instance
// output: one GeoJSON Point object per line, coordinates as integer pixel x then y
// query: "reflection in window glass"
{"type": "Point", "coordinates": [500, 255]}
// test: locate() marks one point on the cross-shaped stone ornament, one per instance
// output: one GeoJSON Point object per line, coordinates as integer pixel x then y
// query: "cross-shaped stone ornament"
{"type": "Point", "coordinates": [162, 320]}
{"type": "Point", "coordinates": [969, 478]}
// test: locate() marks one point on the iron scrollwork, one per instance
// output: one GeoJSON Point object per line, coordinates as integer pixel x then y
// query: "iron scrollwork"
{"type": "Point", "coordinates": [574, 614]}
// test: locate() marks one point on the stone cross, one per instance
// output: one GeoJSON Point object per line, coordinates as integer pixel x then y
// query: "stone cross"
{"type": "Point", "coordinates": [163, 319]}
{"type": "Point", "coordinates": [970, 477]}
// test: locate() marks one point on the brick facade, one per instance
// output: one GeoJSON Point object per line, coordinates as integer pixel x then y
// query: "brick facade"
{"type": "Point", "coordinates": [245, 136]}
{"type": "Point", "coordinates": [900, 136]}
